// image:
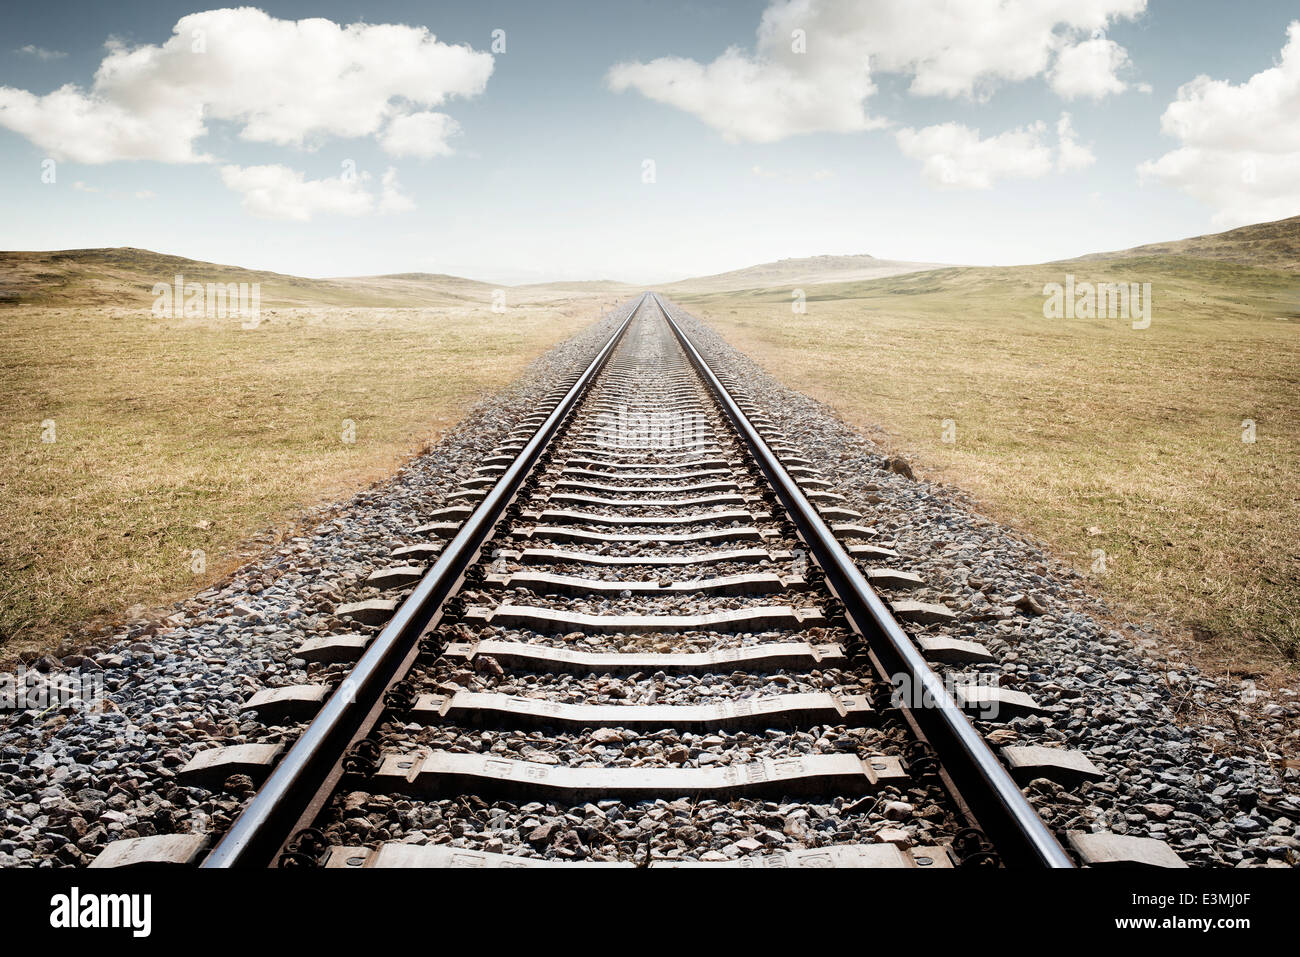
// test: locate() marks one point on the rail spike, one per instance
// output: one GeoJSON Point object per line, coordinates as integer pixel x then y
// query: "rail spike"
{"type": "Point", "coordinates": [305, 850]}
{"type": "Point", "coordinates": [362, 758]}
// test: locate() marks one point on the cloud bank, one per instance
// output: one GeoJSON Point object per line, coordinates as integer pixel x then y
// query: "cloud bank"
{"type": "Point", "coordinates": [1240, 149]}
{"type": "Point", "coordinates": [281, 82]}
{"type": "Point", "coordinates": [811, 69]}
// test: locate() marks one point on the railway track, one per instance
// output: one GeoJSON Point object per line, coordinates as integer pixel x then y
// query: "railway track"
{"type": "Point", "coordinates": [644, 633]}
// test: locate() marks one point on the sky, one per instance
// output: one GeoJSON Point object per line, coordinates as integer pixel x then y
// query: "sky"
{"type": "Point", "coordinates": [642, 141]}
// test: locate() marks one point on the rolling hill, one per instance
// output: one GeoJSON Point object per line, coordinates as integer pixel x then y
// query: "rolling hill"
{"type": "Point", "coordinates": [122, 275]}
{"type": "Point", "coordinates": [1274, 245]}
{"type": "Point", "coordinates": [85, 277]}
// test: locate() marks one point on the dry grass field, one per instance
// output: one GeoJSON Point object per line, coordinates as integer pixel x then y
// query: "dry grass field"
{"type": "Point", "coordinates": [1089, 433]}
{"type": "Point", "coordinates": [171, 435]}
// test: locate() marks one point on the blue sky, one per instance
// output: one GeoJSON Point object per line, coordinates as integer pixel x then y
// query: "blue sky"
{"type": "Point", "coordinates": [919, 130]}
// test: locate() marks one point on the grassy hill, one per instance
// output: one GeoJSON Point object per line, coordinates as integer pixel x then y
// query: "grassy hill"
{"type": "Point", "coordinates": [125, 276]}
{"type": "Point", "coordinates": [122, 276]}
{"type": "Point", "coordinates": [1274, 245]}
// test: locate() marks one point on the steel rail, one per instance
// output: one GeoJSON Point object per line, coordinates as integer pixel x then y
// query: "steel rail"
{"type": "Point", "coordinates": [1018, 833]}
{"type": "Point", "coordinates": [261, 830]}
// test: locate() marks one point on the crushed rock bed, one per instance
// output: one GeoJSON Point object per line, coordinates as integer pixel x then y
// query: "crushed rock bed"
{"type": "Point", "coordinates": [646, 573]}
{"type": "Point", "coordinates": [641, 604]}
{"type": "Point", "coordinates": [646, 642]}
{"type": "Point", "coordinates": [655, 549]}
{"type": "Point", "coordinates": [638, 689]}
{"type": "Point", "coordinates": [628, 748]}
{"type": "Point", "coordinates": [706, 830]}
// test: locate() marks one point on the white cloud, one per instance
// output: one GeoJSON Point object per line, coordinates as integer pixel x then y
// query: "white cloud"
{"type": "Point", "coordinates": [1244, 186]}
{"type": "Point", "coordinates": [278, 192]}
{"type": "Point", "coordinates": [1070, 153]}
{"type": "Point", "coordinates": [41, 53]}
{"type": "Point", "coordinates": [1240, 149]}
{"type": "Point", "coordinates": [1090, 68]}
{"type": "Point", "coordinates": [282, 81]}
{"type": "Point", "coordinates": [955, 156]}
{"type": "Point", "coordinates": [391, 197]}
{"type": "Point", "coordinates": [419, 134]}
{"type": "Point", "coordinates": [69, 125]}
{"type": "Point", "coordinates": [948, 49]}
{"type": "Point", "coordinates": [757, 100]}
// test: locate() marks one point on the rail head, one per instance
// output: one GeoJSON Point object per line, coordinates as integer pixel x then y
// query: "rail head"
{"type": "Point", "coordinates": [1020, 835]}
{"type": "Point", "coordinates": [262, 828]}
